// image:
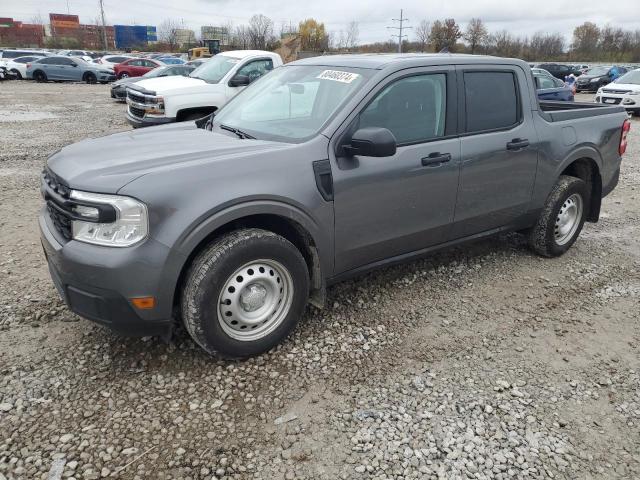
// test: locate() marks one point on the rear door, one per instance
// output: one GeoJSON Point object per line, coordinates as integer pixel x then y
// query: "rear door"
{"type": "Point", "coordinates": [498, 148]}
{"type": "Point", "coordinates": [389, 206]}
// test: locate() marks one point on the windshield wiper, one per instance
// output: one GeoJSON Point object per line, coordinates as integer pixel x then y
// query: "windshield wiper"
{"type": "Point", "coordinates": [237, 131]}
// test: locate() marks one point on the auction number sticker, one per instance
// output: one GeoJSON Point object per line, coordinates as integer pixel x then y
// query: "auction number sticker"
{"type": "Point", "coordinates": [338, 76]}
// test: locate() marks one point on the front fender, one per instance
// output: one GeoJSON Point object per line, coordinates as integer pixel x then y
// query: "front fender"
{"type": "Point", "coordinates": [204, 227]}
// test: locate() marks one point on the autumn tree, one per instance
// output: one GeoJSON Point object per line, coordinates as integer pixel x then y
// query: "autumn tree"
{"type": "Point", "coordinates": [422, 31]}
{"type": "Point", "coordinates": [475, 34]}
{"type": "Point", "coordinates": [585, 40]}
{"type": "Point", "coordinates": [353, 35]}
{"type": "Point", "coordinates": [313, 35]}
{"type": "Point", "coordinates": [260, 31]}
{"type": "Point", "coordinates": [444, 34]}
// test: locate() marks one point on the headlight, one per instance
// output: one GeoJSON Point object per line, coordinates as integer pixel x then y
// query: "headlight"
{"type": "Point", "coordinates": [106, 72]}
{"type": "Point", "coordinates": [131, 224]}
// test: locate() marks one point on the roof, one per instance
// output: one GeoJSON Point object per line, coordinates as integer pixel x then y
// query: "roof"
{"type": "Point", "coordinates": [246, 53]}
{"type": "Point", "coordinates": [379, 61]}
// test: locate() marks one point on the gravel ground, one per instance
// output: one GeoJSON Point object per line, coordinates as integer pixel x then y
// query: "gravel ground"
{"type": "Point", "coordinates": [481, 362]}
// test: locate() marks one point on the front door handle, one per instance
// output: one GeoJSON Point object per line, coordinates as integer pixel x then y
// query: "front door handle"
{"type": "Point", "coordinates": [517, 144]}
{"type": "Point", "coordinates": [436, 159]}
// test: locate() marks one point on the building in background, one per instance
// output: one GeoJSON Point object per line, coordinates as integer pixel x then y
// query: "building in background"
{"type": "Point", "coordinates": [134, 36]}
{"type": "Point", "coordinates": [185, 37]}
{"type": "Point", "coordinates": [92, 39]}
{"type": "Point", "coordinates": [14, 33]}
{"type": "Point", "coordinates": [215, 33]}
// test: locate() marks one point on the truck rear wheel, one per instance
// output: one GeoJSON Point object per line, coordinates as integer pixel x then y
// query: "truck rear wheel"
{"type": "Point", "coordinates": [561, 219]}
{"type": "Point", "coordinates": [244, 293]}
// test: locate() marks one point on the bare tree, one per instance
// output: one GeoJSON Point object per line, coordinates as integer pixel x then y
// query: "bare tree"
{"type": "Point", "coordinates": [352, 35]}
{"type": "Point", "coordinates": [168, 32]}
{"type": "Point", "coordinates": [422, 31]}
{"type": "Point", "coordinates": [475, 34]}
{"type": "Point", "coordinates": [260, 31]}
{"type": "Point", "coordinates": [241, 37]}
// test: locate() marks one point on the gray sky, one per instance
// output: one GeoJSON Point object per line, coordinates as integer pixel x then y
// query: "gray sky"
{"type": "Point", "coordinates": [523, 17]}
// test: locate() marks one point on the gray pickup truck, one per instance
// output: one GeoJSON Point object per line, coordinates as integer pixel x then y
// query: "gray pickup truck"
{"type": "Point", "coordinates": [323, 169]}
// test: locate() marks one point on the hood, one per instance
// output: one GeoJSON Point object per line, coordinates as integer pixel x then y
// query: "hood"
{"type": "Point", "coordinates": [107, 164]}
{"type": "Point", "coordinates": [125, 81]}
{"type": "Point", "coordinates": [630, 87]}
{"type": "Point", "coordinates": [584, 77]}
{"type": "Point", "coordinates": [175, 84]}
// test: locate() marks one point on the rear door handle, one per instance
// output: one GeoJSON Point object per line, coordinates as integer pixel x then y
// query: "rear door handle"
{"type": "Point", "coordinates": [436, 159]}
{"type": "Point", "coordinates": [517, 144]}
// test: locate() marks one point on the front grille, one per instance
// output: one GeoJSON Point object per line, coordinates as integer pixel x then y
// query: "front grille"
{"type": "Point", "coordinates": [135, 97]}
{"type": "Point", "coordinates": [138, 112]}
{"type": "Point", "coordinates": [615, 92]}
{"type": "Point", "coordinates": [611, 101]}
{"type": "Point", "coordinates": [55, 193]}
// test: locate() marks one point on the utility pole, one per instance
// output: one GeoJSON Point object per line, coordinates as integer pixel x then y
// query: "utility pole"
{"type": "Point", "coordinates": [104, 26]}
{"type": "Point", "coordinates": [400, 21]}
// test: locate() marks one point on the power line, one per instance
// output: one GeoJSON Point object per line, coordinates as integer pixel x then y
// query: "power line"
{"type": "Point", "coordinates": [104, 26]}
{"type": "Point", "coordinates": [400, 21]}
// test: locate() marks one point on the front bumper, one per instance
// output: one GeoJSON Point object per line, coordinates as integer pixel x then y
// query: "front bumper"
{"type": "Point", "coordinates": [103, 77]}
{"type": "Point", "coordinates": [629, 102]}
{"type": "Point", "coordinates": [97, 282]}
{"type": "Point", "coordinates": [147, 121]}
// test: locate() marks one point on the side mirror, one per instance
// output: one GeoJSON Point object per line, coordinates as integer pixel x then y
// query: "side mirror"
{"type": "Point", "coordinates": [239, 81]}
{"type": "Point", "coordinates": [372, 142]}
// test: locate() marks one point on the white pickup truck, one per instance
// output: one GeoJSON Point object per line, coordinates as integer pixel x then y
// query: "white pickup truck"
{"type": "Point", "coordinates": [176, 99]}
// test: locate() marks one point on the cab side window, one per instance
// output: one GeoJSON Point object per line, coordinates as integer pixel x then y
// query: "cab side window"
{"type": "Point", "coordinates": [491, 101]}
{"type": "Point", "coordinates": [412, 108]}
{"type": "Point", "coordinates": [256, 69]}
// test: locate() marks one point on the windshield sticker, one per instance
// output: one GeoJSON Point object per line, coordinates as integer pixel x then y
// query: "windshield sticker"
{"type": "Point", "coordinates": [337, 76]}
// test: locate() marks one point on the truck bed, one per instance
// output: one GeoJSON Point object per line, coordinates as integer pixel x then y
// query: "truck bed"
{"type": "Point", "coordinates": [554, 111]}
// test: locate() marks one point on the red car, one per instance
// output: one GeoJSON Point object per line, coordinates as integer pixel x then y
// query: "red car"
{"type": "Point", "coordinates": [135, 67]}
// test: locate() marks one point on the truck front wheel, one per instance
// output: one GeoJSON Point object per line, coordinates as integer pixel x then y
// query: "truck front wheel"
{"type": "Point", "coordinates": [244, 293]}
{"type": "Point", "coordinates": [561, 219]}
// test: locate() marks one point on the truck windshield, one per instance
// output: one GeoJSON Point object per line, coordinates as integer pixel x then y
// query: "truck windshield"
{"type": "Point", "coordinates": [631, 77]}
{"type": "Point", "coordinates": [213, 70]}
{"type": "Point", "coordinates": [292, 103]}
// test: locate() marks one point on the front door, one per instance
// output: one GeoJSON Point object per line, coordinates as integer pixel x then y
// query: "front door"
{"type": "Point", "coordinates": [498, 147]}
{"type": "Point", "coordinates": [389, 206]}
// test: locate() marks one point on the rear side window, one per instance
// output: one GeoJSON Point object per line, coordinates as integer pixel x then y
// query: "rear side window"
{"type": "Point", "coordinates": [413, 108]}
{"type": "Point", "coordinates": [491, 101]}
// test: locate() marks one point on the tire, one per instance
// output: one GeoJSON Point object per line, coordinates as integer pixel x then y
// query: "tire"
{"type": "Point", "coordinates": [39, 76]}
{"type": "Point", "coordinates": [244, 293]}
{"type": "Point", "coordinates": [90, 78]}
{"type": "Point", "coordinates": [561, 219]}
{"type": "Point", "coordinates": [123, 75]}
{"type": "Point", "coordinates": [17, 74]}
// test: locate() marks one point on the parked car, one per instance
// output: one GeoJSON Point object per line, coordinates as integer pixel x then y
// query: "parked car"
{"type": "Point", "coordinates": [171, 60]}
{"type": "Point", "coordinates": [135, 67]}
{"type": "Point", "coordinates": [119, 87]}
{"type": "Point", "coordinates": [164, 100]}
{"type": "Point", "coordinates": [559, 71]}
{"type": "Point", "coordinates": [19, 65]}
{"type": "Point", "coordinates": [83, 54]}
{"type": "Point", "coordinates": [234, 226]}
{"type": "Point", "coordinates": [197, 62]}
{"type": "Point", "coordinates": [6, 55]}
{"type": "Point", "coordinates": [111, 61]}
{"type": "Point", "coordinates": [596, 77]}
{"type": "Point", "coordinates": [6, 74]}
{"type": "Point", "coordinates": [68, 68]}
{"type": "Point", "coordinates": [541, 71]}
{"type": "Point", "coordinates": [551, 88]}
{"type": "Point", "coordinates": [624, 91]}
